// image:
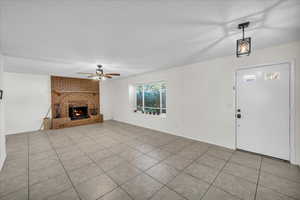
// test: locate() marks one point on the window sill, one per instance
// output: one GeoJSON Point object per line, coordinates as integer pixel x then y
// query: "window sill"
{"type": "Point", "coordinates": [151, 116]}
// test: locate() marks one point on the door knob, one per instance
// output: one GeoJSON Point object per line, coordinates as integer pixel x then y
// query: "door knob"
{"type": "Point", "coordinates": [238, 116]}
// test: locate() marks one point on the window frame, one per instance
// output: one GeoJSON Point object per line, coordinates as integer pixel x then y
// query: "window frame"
{"type": "Point", "coordinates": [143, 96]}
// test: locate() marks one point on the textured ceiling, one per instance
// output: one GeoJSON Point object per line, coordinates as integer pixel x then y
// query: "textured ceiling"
{"type": "Point", "coordinates": [64, 37]}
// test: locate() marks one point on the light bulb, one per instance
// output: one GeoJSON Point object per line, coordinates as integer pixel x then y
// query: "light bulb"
{"type": "Point", "coordinates": [244, 47]}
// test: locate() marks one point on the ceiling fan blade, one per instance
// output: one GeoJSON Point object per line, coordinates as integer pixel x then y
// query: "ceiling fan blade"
{"type": "Point", "coordinates": [107, 76]}
{"type": "Point", "coordinates": [85, 73]}
{"type": "Point", "coordinates": [92, 76]}
{"type": "Point", "coordinates": [113, 74]}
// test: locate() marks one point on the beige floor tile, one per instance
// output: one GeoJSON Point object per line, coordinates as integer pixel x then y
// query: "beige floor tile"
{"type": "Point", "coordinates": [43, 163]}
{"type": "Point", "coordinates": [69, 194]}
{"type": "Point", "coordinates": [166, 194]}
{"type": "Point", "coordinates": [86, 151]}
{"type": "Point", "coordinates": [225, 155]}
{"type": "Point", "coordinates": [47, 154]}
{"type": "Point", "coordinates": [281, 168]}
{"type": "Point", "coordinates": [45, 189]}
{"type": "Point", "coordinates": [281, 185]}
{"type": "Point", "coordinates": [144, 162]}
{"type": "Point", "coordinates": [73, 153]}
{"type": "Point", "coordinates": [95, 187]}
{"type": "Point", "coordinates": [117, 194]}
{"type": "Point", "coordinates": [43, 174]}
{"type": "Point", "coordinates": [21, 194]}
{"type": "Point", "coordinates": [268, 194]}
{"type": "Point", "coordinates": [111, 162]}
{"type": "Point", "coordinates": [101, 155]}
{"type": "Point", "coordinates": [163, 173]}
{"type": "Point", "coordinates": [13, 168]}
{"type": "Point", "coordinates": [123, 173]}
{"type": "Point", "coordinates": [12, 185]}
{"type": "Point", "coordinates": [202, 172]}
{"type": "Point", "coordinates": [158, 154]}
{"type": "Point", "coordinates": [76, 163]}
{"type": "Point", "coordinates": [211, 161]}
{"type": "Point", "coordinates": [236, 186]}
{"type": "Point", "coordinates": [246, 159]}
{"type": "Point", "coordinates": [145, 148]}
{"type": "Point", "coordinates": [248, 173]}
{"type": "Point", "coordinates": [130, 154]}
{"type": "Point", "coordinates": [178, 162]}
{"type": "Point", "coordinates": [188, 186]}
{"type": "Point", "coordinates": [85, 173]}
{"type": "Point", "coordinates": [217, 194]}
{"type": "Point", "coordinates": [142, 187]}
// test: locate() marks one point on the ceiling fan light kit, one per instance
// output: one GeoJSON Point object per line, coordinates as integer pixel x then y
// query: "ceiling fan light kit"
{"type": "Point", "coordinates": [243, 46]}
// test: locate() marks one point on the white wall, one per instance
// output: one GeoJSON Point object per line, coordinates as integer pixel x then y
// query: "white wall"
{"type": "Point", "coordinates": [200, 97]}
{"type": "Point", "coordinates": [27, 100]}
{"type": "Point", "coordinates": [106, 99]}
{"type": "Point", "coordinates": [2, 136]}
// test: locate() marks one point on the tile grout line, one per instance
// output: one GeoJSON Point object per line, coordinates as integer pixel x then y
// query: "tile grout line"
{"type": "Point", "coordinates": [118, 185]}
{"type": "Point", "coordinates": [171, 154]}
{"type": "Point", "coordinates": [145, 173]}
{"type": "Point", "coordinates": [180, 171]}
{"type": "Point", "coordinates": [258, 178]}
{"type": "Point", "coordinates": [104, 172]}
{"type": "Point", "coordinates": [211, 184]}
{"type": "Point", "coordinates": [29, 142]}
{"type": "Point", "coordinates": [63, 166]}
{"type": "Point", "coordinates": [163, 184]}
{"type": "Point", "coordinates": [26, 174]}
{"type": "Point", "coordinates": [222, 170]}
{"type": "Point", "coordinates": [142, 171]}
{"type": "Point", "coordinates": [227, 161]}
{"type": "Point", "coordinates": [281, 177]}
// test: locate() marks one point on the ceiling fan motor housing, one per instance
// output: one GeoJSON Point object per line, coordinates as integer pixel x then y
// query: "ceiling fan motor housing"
{"type": "Point", "coordinates": [99, 71]}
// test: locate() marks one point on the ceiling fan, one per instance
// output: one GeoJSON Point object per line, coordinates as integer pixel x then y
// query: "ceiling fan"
{"type": "Point", "coordinates": [99, 75]}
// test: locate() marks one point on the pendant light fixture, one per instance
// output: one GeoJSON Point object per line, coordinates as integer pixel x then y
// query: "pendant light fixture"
{"type": "Point", "coordinates": [243, 46]}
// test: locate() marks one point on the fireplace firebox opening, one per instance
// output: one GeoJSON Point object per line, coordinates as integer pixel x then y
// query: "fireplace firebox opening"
{"type": "Point", "coordinates": [76, 113]}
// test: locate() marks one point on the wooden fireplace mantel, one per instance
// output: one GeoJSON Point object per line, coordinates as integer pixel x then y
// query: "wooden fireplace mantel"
{"type": "Point", "coordinates": [74, 91]}
{"type": "Point", "coordinates": [66, 92]}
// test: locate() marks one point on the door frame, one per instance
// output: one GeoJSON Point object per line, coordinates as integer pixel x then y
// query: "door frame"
{"type": "Point", "coordinates": [292, 154]}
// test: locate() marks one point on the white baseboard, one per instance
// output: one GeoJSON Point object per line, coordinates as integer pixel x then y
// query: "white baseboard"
{"type": "Point", "coordinates": [177, 134]}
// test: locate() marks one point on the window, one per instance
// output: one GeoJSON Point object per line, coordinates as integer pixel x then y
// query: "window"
{"type": "Point", "coordinates": [151, 98]}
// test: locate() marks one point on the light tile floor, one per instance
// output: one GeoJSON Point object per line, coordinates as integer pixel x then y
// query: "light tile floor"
{"type": "Point", "coordinates": [117, 161]}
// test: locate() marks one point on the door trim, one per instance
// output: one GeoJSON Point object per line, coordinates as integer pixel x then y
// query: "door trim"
{"type": "Point", "coordinates": [292, 154]}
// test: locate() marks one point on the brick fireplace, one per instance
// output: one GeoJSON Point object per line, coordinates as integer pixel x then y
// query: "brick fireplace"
{"type": "Point", "coordinates": [74, 102]}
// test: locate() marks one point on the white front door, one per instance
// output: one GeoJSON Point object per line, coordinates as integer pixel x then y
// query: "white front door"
{"type": "Point", "coordinates": [263, 110]}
